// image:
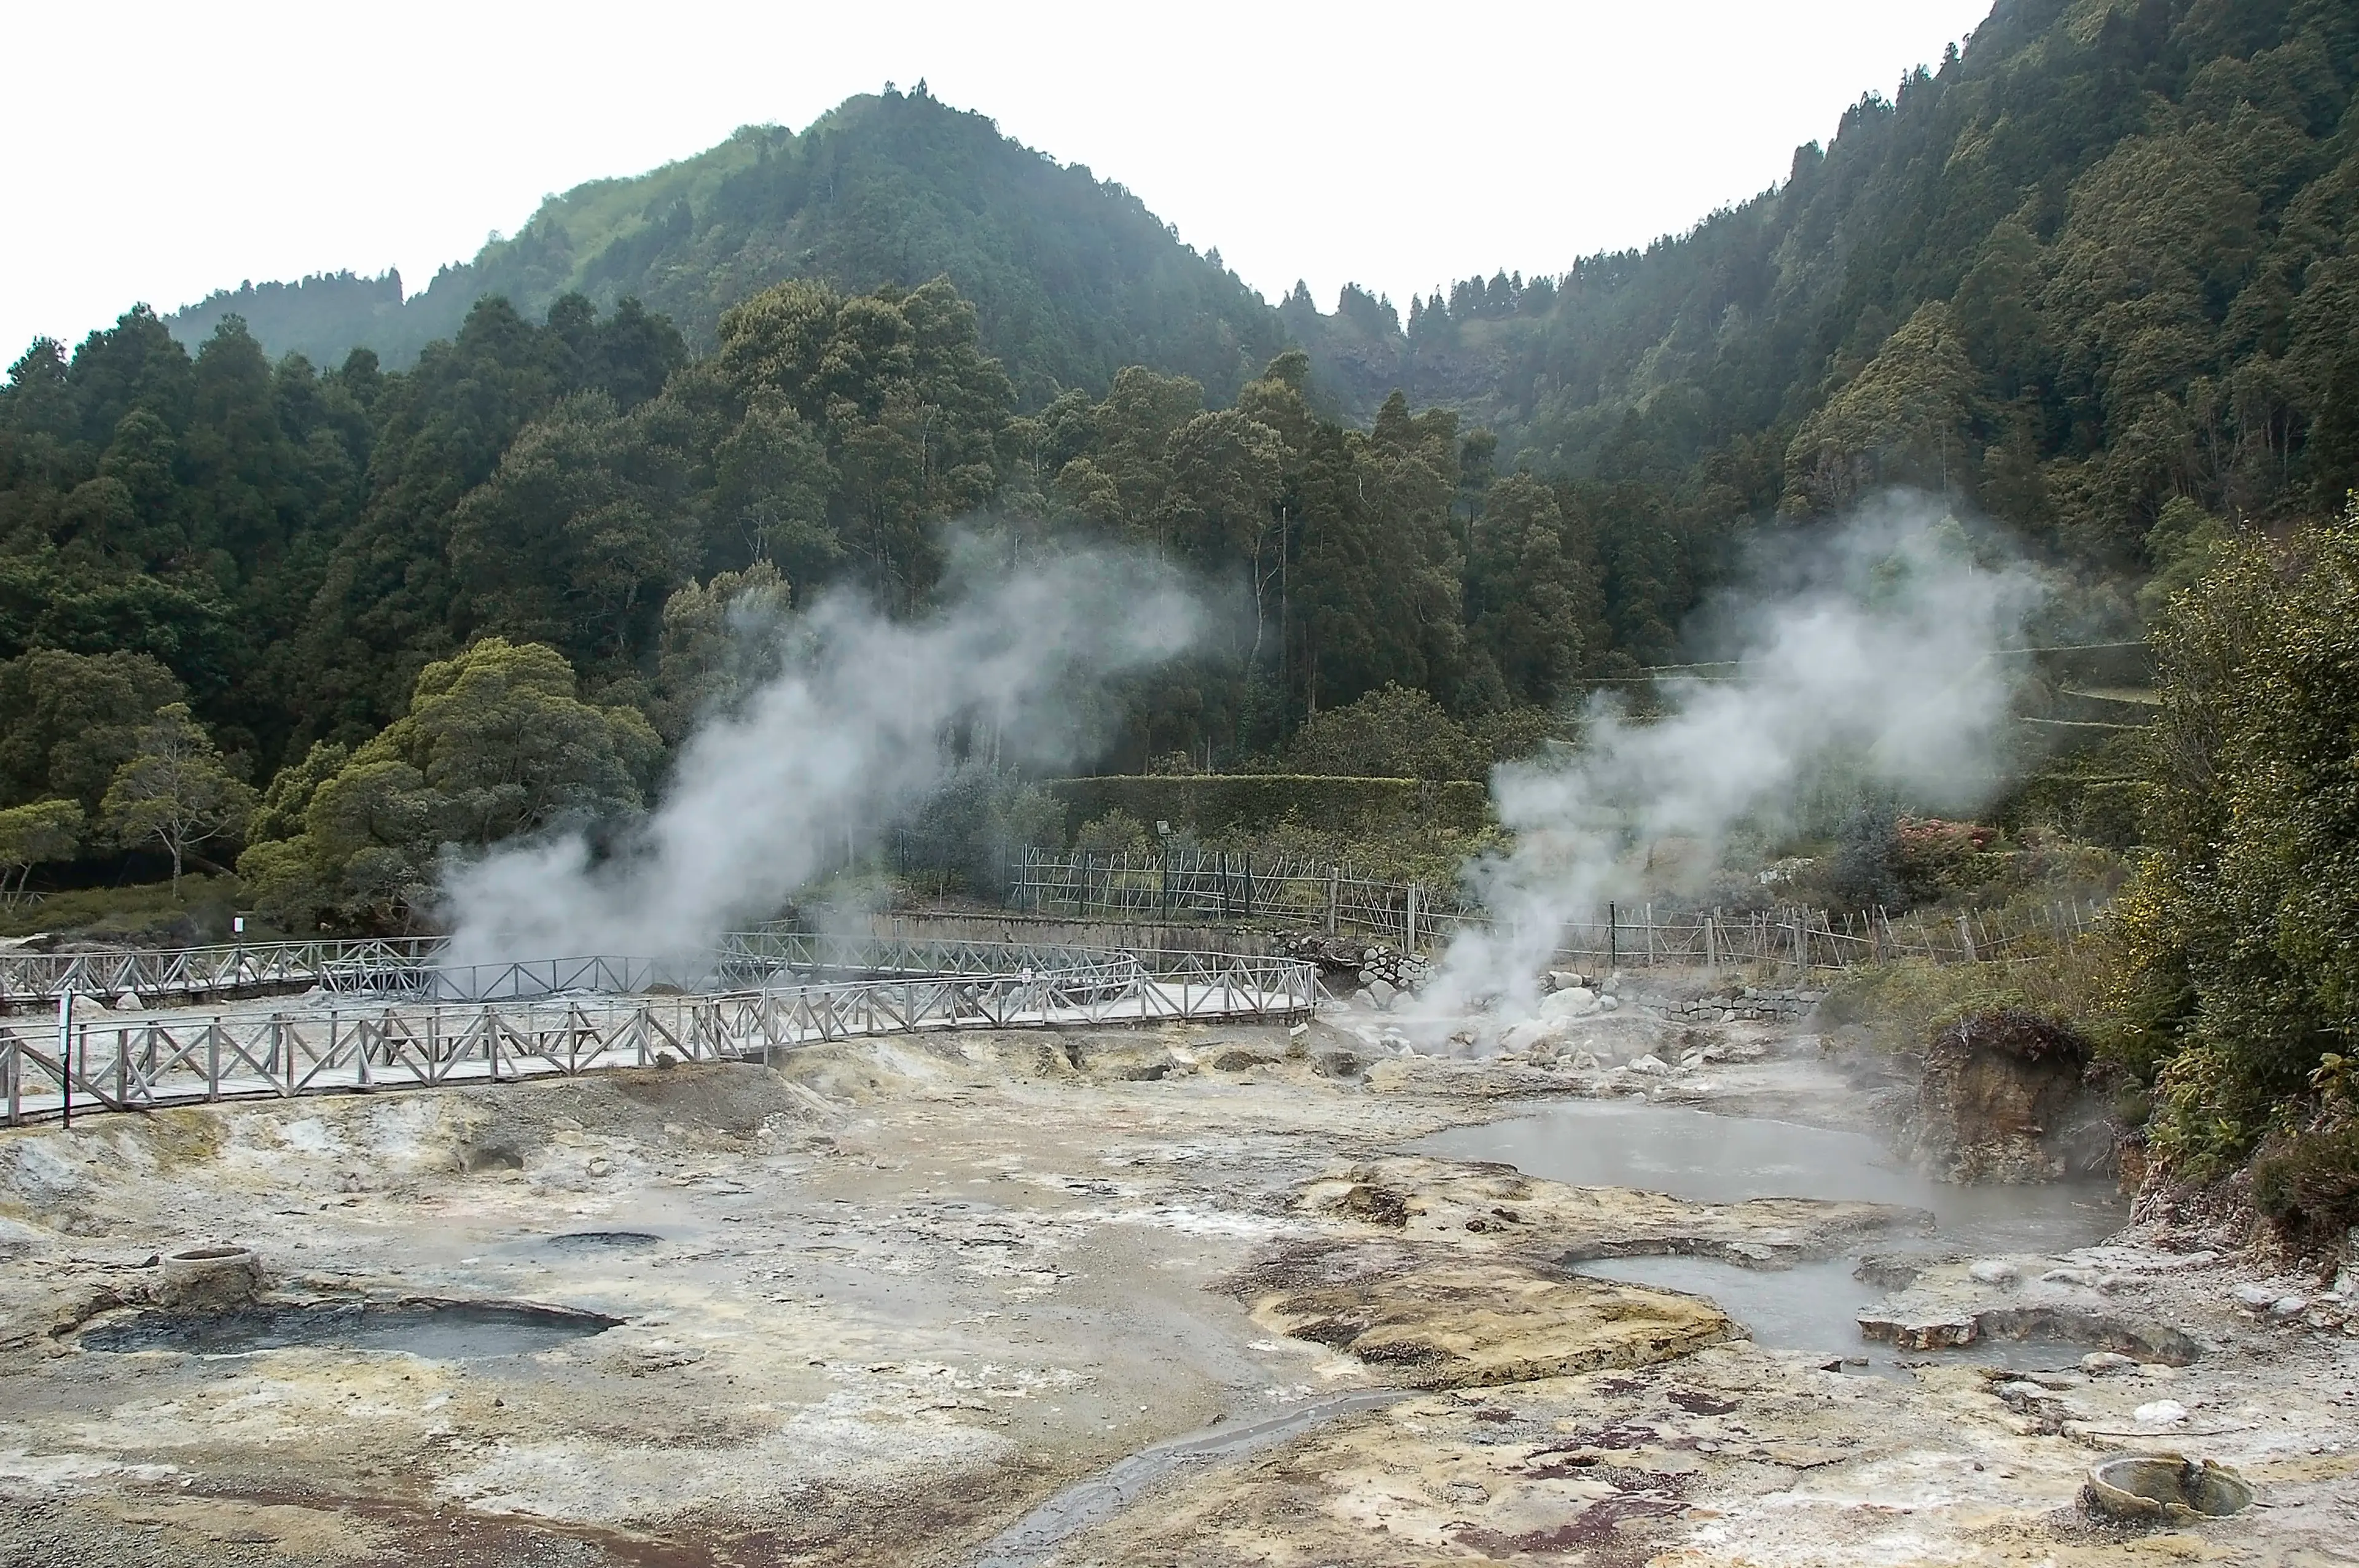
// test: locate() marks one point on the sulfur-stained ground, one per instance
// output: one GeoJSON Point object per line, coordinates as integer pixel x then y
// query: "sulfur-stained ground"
{"type": "Point", "coordinates": [896, 1294]}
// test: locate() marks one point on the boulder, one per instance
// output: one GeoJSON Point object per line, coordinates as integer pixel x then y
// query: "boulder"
{"type": "Point", "coordinates": [1573, 1002]}
{"type": "Point", "coordinates": [1532, 1034]}
{"type": "Point", "coordinates": [2002, 1100]}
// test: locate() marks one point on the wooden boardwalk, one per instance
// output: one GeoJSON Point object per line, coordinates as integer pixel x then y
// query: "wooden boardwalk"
{"type": "Point", "coordinates": [138, 1062]}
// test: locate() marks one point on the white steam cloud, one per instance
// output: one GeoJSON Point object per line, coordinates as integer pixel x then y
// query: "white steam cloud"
{"type": "Point", "coordinates": [1872, 657]}
{"type": "Point", "coordinates": [852, 735]}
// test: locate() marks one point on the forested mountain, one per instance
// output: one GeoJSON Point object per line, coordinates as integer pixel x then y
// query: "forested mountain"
{"type": "Point", "coordinates": [2099, 261]}
{"type": "Point", "coordinates": [1070, 276]}
{"type": "Point", "coordinates": [2092, 276]}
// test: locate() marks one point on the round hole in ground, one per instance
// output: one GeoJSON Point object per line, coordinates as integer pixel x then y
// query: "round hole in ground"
{"type": "Point", "coordinates": [595, 1242]}
{"type": "Point", "coordinates": [443, 1331]}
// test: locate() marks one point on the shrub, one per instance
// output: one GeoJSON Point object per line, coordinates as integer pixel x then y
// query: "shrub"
{"type": "Point", "coordinates": [2239, 966]}
{"type": "Point", "coordinates": [1394, 732]}
{"type": "Point", "coordinates": [1115, 833]}
{"type": "Point", "coordinates": [1863, 872]}
{"type": "Point", "coordinates": [2307, 1185]}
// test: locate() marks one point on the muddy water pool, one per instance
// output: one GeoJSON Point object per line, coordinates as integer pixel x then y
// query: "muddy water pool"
{"type": "Point", "coordinates": [449, 1331]}
{"type": "Point", "coordinates": [1710, 1158]}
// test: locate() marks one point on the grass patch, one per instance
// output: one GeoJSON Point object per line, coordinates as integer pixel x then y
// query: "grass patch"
{"type": "Point", "coordinates": [148, 913]}
{"type": "Point", "coordinates": [1904, 1002]}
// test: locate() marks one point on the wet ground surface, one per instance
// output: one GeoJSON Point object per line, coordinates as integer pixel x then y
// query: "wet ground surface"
{"type": "Point", "coordinates": [1812, 1307]}
{"type": "Point", "coordinates": [1184, 1297]}
{"type": "Point", "coordinates": [439, 1331]}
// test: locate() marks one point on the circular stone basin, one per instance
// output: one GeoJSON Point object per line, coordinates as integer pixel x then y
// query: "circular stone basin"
{"type": "Point", "coordinates": [444, 1331]}
{"type": "Point", "coordinates": [211, 1277]}
{"type": "Point", "coordinates": [602, 1241]}
{"type": "Point", "coordinates": [2164, 1487]}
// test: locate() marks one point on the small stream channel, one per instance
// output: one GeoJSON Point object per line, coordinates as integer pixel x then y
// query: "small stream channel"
{"type": "Point", "coordinates": [1710, 1158]}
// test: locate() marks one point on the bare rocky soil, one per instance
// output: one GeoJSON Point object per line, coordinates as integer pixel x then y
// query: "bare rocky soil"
{"type": "Point", "coordinates": [878, 1306]}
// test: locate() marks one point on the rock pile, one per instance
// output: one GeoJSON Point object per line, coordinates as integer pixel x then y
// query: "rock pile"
{"type": "Point", "coordinates": [1377, 971]}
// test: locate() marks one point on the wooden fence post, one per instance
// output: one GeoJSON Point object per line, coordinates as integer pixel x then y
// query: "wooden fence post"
{"type": "Point", "coordinates": [1334, 895]}
{"type": "Point", "coordinates": [65, 1049]}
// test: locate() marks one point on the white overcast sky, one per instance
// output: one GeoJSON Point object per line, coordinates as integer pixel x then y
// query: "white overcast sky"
{"type": "Point", "coordinates": [154, 152]}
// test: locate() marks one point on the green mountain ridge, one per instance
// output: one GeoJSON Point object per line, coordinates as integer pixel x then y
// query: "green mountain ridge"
{"type": "Point", "coordinates": [1073, 278]}
{"type": "Point", "coordinates": [2092, 264]}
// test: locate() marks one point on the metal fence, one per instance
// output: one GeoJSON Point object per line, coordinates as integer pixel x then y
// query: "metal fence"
{"type": "Point", "coordinates": [199, 973]}
{"type": "Point", "coordinates": [118, 1062]}
{"type": "Point", "coordinates": [1208, 884]}
{"type": "Point", "coordinates": [1638, 936]}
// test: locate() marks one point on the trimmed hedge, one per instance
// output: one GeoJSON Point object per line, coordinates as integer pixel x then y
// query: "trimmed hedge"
{"type": "Point", "coordinates": [1214, 803]}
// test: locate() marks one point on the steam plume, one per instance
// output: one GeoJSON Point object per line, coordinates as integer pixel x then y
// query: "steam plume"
{"type": "Point", "coordinates": [1872, 657]}
{"type": "Point", "coordinates": [849, 737]}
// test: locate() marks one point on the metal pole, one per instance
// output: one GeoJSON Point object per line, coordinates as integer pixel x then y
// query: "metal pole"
{"type": "Point", "coordinates": [65, 1049]}
{"type": "Point", "coordinates": [1613, 935]}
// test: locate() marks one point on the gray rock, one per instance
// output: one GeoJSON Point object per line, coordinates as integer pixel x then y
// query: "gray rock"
{"type": "Point", "coordinates": [2105, 1362]}
{"type": "Point", "coordinates": [1995, 1271]}
{"type": "Point", "coordinates": [2258, 1297]}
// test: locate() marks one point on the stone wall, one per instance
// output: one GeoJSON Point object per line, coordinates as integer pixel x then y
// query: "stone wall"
{"type": "Point", "coordinates": [1781, 1004]}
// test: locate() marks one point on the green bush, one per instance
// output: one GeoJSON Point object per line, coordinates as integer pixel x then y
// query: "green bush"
{"type": "Point", "coordinates": [2240, 935]}
{"type": "Point", "coordinates": [2308, 1185]}
{"type": "Point", "coordinates": [1392, 731]}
